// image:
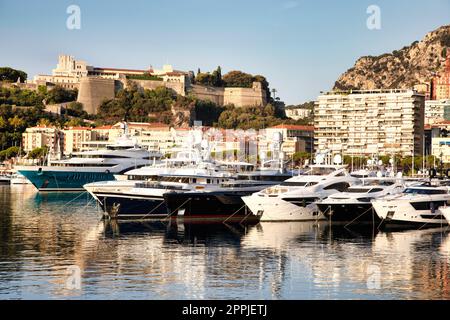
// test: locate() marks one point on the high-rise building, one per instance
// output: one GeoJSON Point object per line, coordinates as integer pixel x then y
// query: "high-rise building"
{"type": "Point", "coordinates": [372, 122]}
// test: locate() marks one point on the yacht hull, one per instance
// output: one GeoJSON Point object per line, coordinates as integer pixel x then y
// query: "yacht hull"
{"type": "Point", "coordinates": [207, 204]}
{"type": "Point", "coordinates": [346, 212]}
{"type": "Point", "coordinates": [401, 213]}
{"type": "Point", "coordinates": [277, 209]}
{"type": "Point", "coordinates": [51, 180]}
{"type": "Point", "coordinates": [129, 206]}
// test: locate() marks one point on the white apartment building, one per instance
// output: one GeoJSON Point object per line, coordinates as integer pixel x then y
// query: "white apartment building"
{"type": "Point", "coordinates": [437, 111]}
{"type": "Point", "coordinates": [297, 113]}
{"type": "Point", "coordinates": [40, 136]}
{"type": "Point", "coordinates": [69, 71]}
{"type": "Point", "coordinates": [75, 138]}
{"type": "Point", "coordinates": [381, 122]}
{"type": "Point", "coordinates": [440, 148]}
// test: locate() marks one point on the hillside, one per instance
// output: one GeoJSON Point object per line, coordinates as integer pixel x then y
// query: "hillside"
{"type": "Point", "coordinates": [402, 68]}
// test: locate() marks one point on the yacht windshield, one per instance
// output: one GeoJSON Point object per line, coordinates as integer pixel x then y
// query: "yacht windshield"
{"type": "Point", "coordinates": [298, 184]}
{"type": "Point", "coordinates": [357, 190]}
{"type": "Point", "coordinates": [321, 171]}
{"type": "Point", "coordinates": [425, 191]}
{"type": "Point", "coordinates": [378, 183]}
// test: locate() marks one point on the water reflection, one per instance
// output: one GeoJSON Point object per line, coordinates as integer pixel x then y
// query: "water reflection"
{"type": "Point", "coordinates": [43, 234]}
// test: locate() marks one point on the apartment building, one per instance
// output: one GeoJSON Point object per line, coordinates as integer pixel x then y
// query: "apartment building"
{"type": "Point", "coordinates": [381, 122]}
{"type": "Point", "coordinates": [75, 137]}
{"type": "Point", "coordinates": [40, 136]}
{"type": "Point", "coordinates": [436, 111]}
{"type": "Point", "coordinates": [295, 138]}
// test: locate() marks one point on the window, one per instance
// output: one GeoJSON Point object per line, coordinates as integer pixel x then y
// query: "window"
{"type": "Point", "coordinates": [341, 186]}
{"type": "Point", "coordinates": [424, 191]}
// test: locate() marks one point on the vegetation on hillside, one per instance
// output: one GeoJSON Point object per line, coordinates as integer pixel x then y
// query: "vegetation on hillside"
{"type": "Point", "coordinates": [145, 76]}
{"type": "Point", "coordinates": [12, 75]}
{"type": "Point", "coordinates": [22, 108]}
{"type": "Point", "coordinates": [402, 68]}
{"type": "Point", "coordinates": [231, 79]}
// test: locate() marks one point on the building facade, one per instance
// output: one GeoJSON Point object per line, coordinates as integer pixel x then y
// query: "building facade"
{"type": "Point", "coordinates": [441, 83]}
{"type": "Point", "coordinates": [372, 122]}
{"type": "Point", "coordinates": [41, 136]}
{"type": "Point", "coordinates": [295, 138]}
{"type": "Point", "coordinates": [437, 111]}
{"type": "Point", "coordinates": [297, 113]}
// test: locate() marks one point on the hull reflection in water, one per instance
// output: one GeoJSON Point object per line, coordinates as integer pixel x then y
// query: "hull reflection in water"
{"type": "Point", "coordinates": [43, 236]}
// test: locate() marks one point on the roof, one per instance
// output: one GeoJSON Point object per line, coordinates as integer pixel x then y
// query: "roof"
{"type": "Point", "coordinates": [104, 127]}
{"type": "Point", "coordinates": [293, 127]}
{"type": "Point", "coordinates": [175, 73]}
{"type": "Point", "coordinates": [42, 127]}
{"type": "Point", "coordinates": [78, 128]}
{"type": "Point", "coordinates": [117, 69]}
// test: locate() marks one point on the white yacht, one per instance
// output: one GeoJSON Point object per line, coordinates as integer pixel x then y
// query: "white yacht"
{"type": "Point", "coordinates": [18, 178]}
{"type": "Point", "coordinates": [419, 205]}
{"type": "Point", "coordinates": [89, 166]}
{"type": "Point", "coordinates": [355, 203]}
{"type": "Point", "coordinates": [295, 199]}
{"type": "Point", "coordinates": [143, 195]}
{"type": "Point", "coordinates": [446, 213]}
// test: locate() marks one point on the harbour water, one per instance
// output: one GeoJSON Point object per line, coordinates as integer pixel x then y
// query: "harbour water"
{"type": "Point", "coordinates": [44, 237]}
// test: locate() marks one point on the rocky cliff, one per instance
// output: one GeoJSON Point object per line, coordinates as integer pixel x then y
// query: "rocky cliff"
{"type": "Point", "coordinates": [402, 68]}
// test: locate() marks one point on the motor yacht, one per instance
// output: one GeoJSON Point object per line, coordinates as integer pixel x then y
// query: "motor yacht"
{"type": "Point", "coordinates": [295, 199]}
{"type": "Point", "coordinates": [418, 205]}
{"type": "Point", "coordinates": [355, 204]}
{"type": "Point", "coordinates": [89, 166]}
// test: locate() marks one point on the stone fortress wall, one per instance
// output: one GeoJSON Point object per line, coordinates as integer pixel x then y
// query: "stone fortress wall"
{"type": "Point", "coordinates": [178, 87]}
{"type": "Point", "coordinates": [96, 84]}
{"type": "Point", "coordinates": [93, 91]}
{"type": "Point", "coordinates": [240, 97]}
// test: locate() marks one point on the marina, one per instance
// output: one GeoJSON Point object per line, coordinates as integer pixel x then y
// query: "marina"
{"type": "Point", "coordinates": [227, 159]}
{"type": "Point", "coordinates": [43, 234]}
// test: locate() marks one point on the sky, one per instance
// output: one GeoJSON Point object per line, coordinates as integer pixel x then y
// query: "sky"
{"type": "Point", "coordinates": [300, 46]}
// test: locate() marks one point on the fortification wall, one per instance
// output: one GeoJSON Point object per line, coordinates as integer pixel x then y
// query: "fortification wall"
{"type": "Point", "coordinates": [93, 91]}
{"type": "Point", "coordinates": [21, 85]}
{"type": "Point", "coordinates": [240, 97]}
{"type": "Point", "coordinates": [213, 94]}
{"type": "Point", "coordinates": [178, 87]}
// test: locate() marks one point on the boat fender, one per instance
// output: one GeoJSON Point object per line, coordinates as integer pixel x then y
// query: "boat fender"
{"type": "Point", "coordinates": [107, 171]}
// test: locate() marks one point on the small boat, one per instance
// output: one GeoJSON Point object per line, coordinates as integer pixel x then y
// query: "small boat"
{"type": "Point", "coordinates": [5, 179]}
{"type": "Point", "coordinates": [19, 179]}
{"type": "Point", "coordinates": [418, 206]}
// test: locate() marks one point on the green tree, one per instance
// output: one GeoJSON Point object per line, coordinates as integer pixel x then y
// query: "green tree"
{"type": "Point", "coordinates": [59, 95]}
{"type": "Point", "coordinates": [238, 79]}
{"type": "Point", "coordinates": [12, 75]}
{"type": "Point", "coordinates": [16, 122]}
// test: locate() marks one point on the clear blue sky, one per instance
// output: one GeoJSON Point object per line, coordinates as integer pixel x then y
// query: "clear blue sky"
{"type": "Point", "coordinates": [300, 46]}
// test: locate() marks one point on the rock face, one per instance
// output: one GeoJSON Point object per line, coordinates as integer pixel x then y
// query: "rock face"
{"type": "Point", "coordinates": [402, 68]}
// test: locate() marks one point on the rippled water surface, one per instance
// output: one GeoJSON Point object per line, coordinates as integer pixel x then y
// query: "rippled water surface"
{"type": "Point", "coordinates": [46, 238]}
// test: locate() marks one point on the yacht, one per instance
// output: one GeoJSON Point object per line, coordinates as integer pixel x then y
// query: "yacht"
{"type": "Point", "coordinates": [225, 199]}
{"type": "Point", "coordinates": [295, 199]}
{"type": "Point", "coordinates": [355, 203]}
{"type": "Point", "coordinates": [418, 205]}
{"type": "Point", "coordinates": [18, 178]}
{"type": "Point", "coordinates": [89, 166]}
{"type": "Point", "coordinates": [446, 213]}
{"type": "Point", "coordinates": [139, 198]}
